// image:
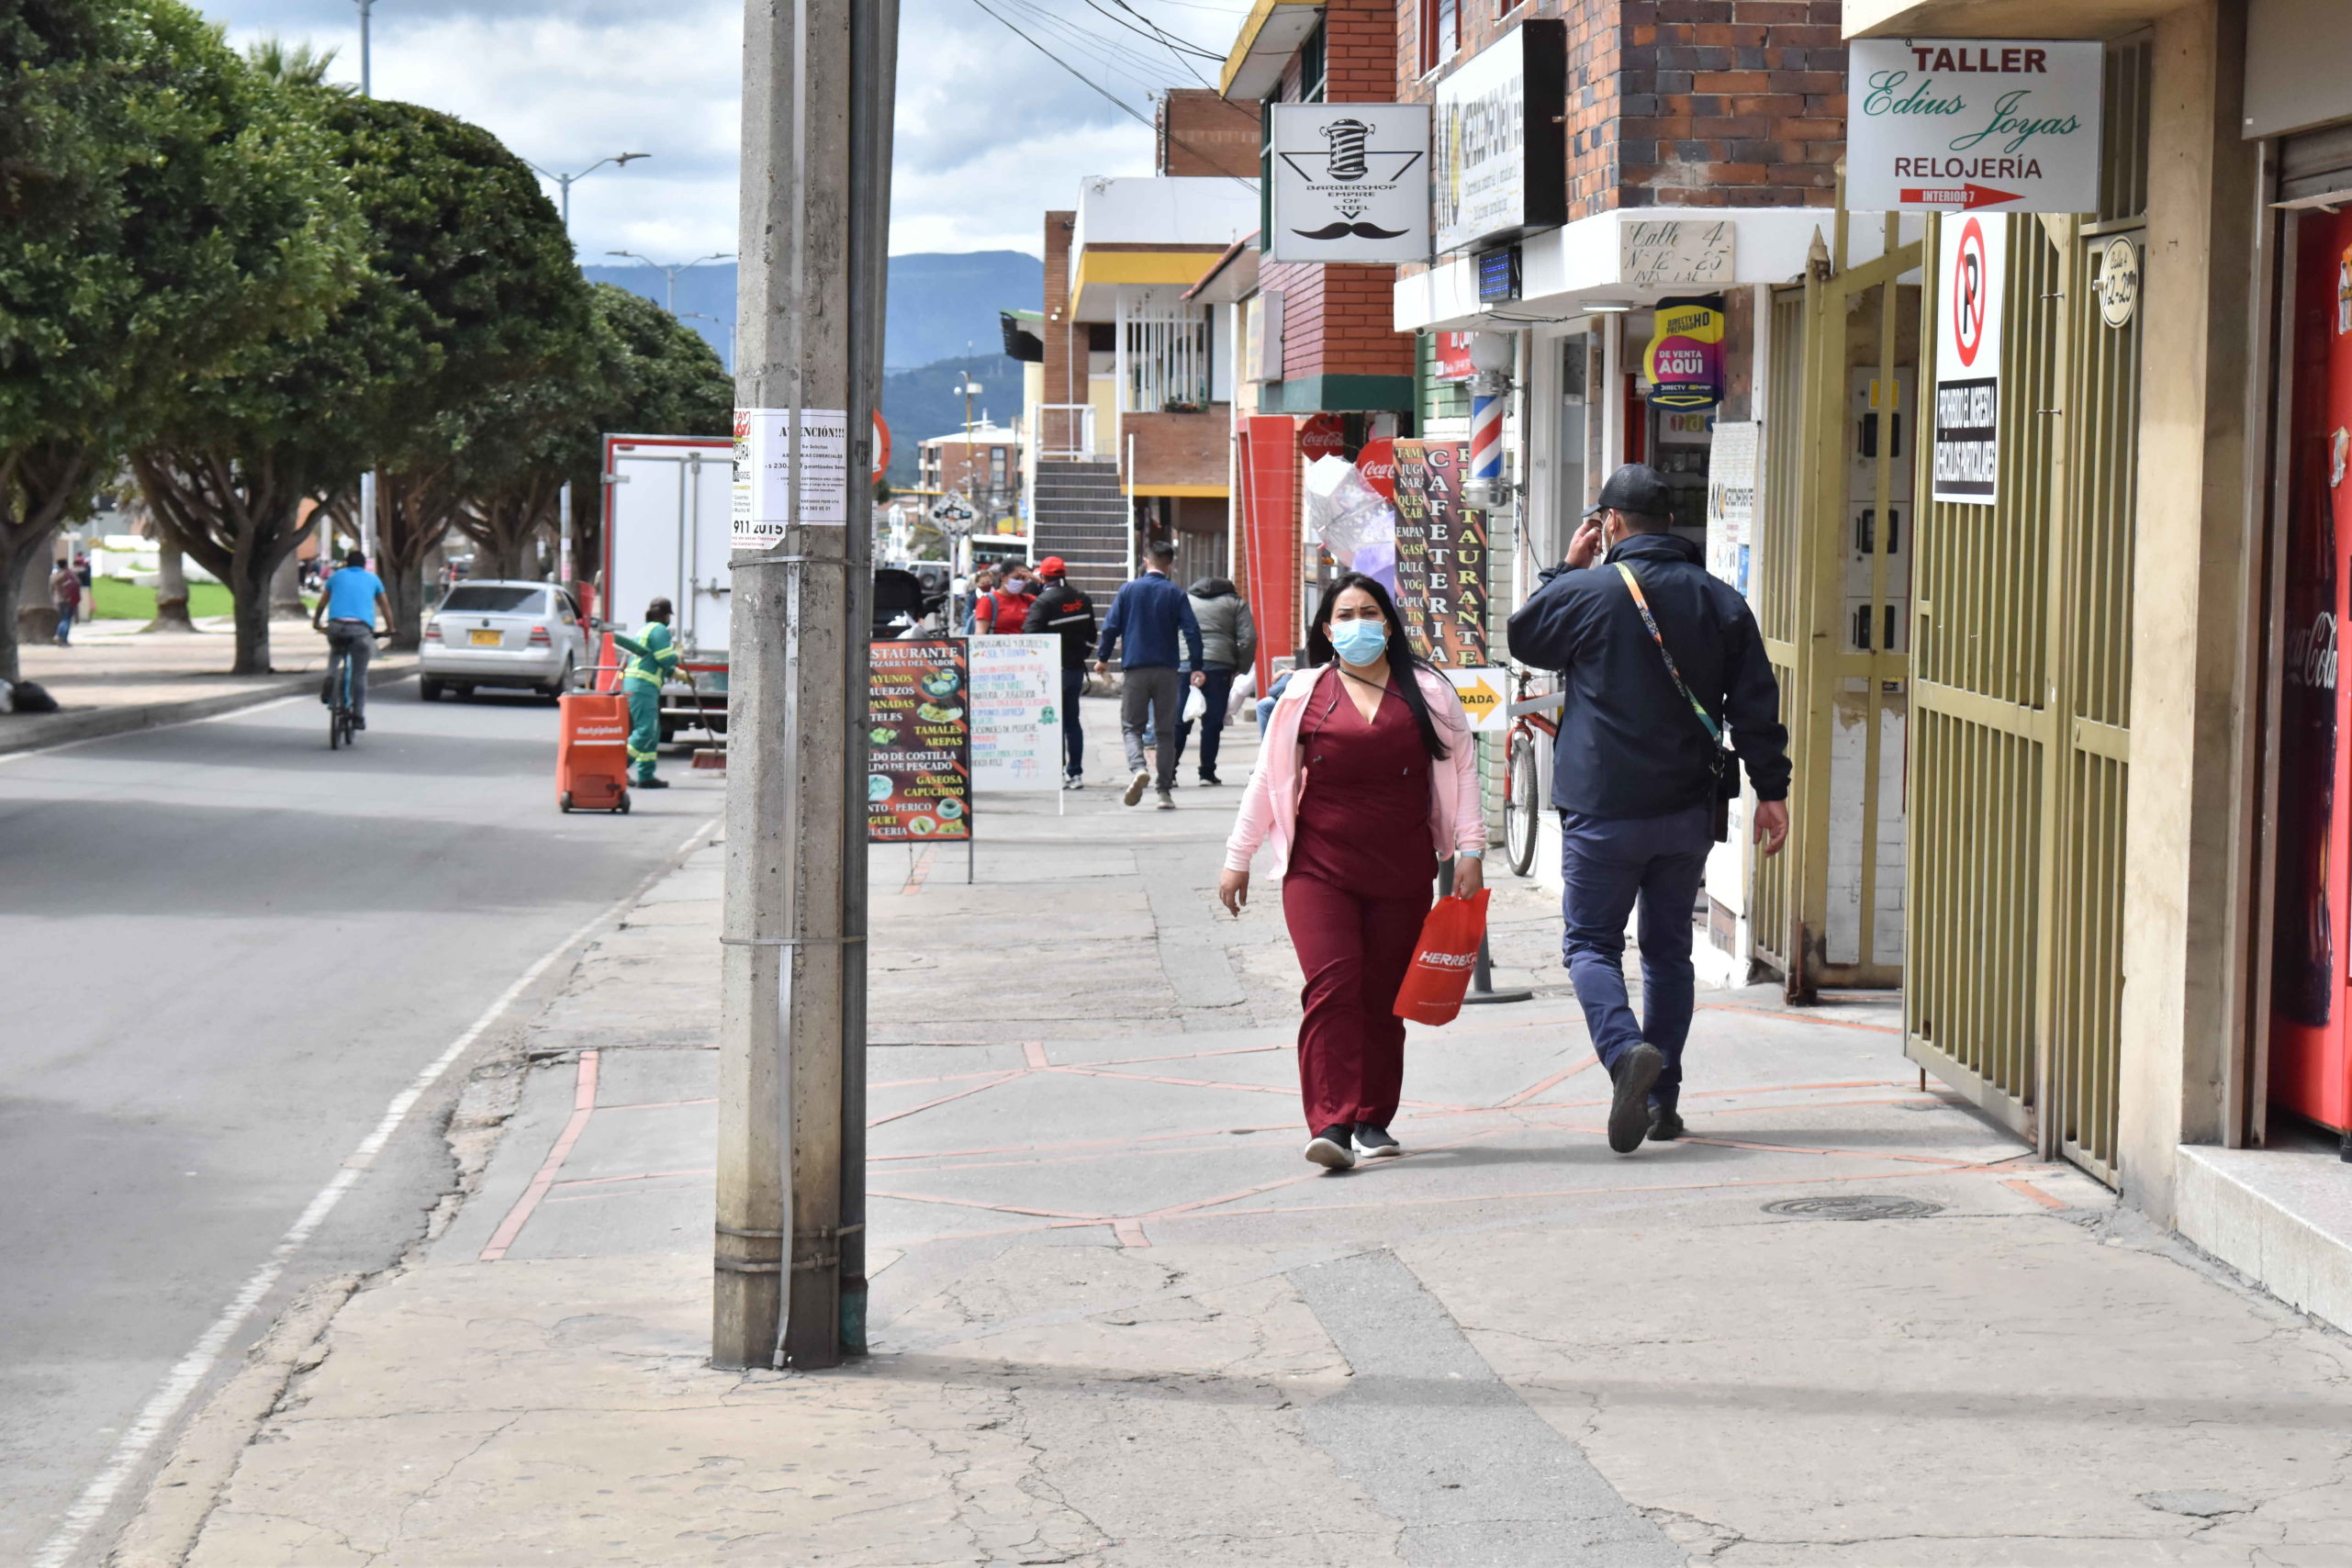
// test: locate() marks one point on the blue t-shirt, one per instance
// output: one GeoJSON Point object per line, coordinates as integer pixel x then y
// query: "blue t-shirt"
{"type": "Point", "coordinates": [351, 594]}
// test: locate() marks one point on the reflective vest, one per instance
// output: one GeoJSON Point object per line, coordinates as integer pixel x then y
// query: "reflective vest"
{"type": "Point", "coordinates": [654, 665]}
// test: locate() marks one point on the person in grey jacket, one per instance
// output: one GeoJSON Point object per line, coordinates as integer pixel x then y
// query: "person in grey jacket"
{"type": "Point", "coordinates": [1228, 646]}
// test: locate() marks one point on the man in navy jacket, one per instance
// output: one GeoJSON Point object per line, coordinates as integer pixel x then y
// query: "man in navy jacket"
{"type": "Point", "coordinates": [1633, 774]}
{"type": "Point", "coordinates": [1149, 616]}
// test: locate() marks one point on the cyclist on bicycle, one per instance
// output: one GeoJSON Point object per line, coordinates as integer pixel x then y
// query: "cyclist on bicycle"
{"type": "Point", "coordinates": [347, 612]}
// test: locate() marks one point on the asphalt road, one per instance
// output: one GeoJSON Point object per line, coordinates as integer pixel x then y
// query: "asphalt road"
{"type": "Point", "coordinates": [223, 951]}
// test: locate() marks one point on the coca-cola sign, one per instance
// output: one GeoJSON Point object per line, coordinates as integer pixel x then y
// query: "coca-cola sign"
{"type": "Point", "coordinates": [1377, 463]}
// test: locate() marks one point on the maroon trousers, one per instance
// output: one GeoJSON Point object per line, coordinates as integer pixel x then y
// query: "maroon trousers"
{"type": "Point", "coordinates": [1354, 952]}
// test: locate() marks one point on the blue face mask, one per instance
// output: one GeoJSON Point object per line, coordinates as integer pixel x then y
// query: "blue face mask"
{"type": "Point", "coordinates": [1360, 641]}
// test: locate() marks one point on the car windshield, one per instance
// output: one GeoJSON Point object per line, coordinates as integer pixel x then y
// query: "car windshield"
{"type": "Point", "coordinates": [490, 598]}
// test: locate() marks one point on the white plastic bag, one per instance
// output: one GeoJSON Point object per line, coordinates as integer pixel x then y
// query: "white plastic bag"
{"type": "Point", "coordinates": [1196, 705]}
{"type": "Point", "coordinates": [1355, 527]}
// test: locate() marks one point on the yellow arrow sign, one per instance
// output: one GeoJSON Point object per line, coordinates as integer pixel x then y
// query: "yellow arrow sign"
{"type": "Point", "coordinates": [1480, 691]}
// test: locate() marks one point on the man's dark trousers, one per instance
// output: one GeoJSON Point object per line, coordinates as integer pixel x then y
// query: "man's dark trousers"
{"type": "Point", "coordinates": [1605, 864]}
{"type": "Point", "coordinates": [1217, 690]}
{"type": "Point", "coordinates": [1153, 696]}
{"type": "Point", "coordinates": [1073, 739]}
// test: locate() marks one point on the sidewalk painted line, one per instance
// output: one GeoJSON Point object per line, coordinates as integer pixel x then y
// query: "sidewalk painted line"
{"type": "Point", "coordinates": [1034, 1053]}
{"type": "Point", "coordinates": [1524, 1095]}
{"type": "Point", "coordinates": [944, 1099]}
{"type": "Point", "coordinates": [2034, 1192]}
{"type": "Point", "coordinates": [991, 1208]}
{"type": "Point", "coordinates": [1130, 1233]}
{"type": "Point", "coordinates": [1800, 1018]}
{"type": "Point", "coordinates": [583, 1107]}
{"type": "Point", "coordinates": [920, 871]}
{"type": "Point", "coordinates": [164, 1406]}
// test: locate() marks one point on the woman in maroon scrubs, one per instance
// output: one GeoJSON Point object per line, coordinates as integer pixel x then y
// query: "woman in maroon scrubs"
{"type": "Point", "coordinates": [1366, 775]}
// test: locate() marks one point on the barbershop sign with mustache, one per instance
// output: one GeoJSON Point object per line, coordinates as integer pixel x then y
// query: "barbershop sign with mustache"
{"type": "Point", "coordinates": [1350, 182]}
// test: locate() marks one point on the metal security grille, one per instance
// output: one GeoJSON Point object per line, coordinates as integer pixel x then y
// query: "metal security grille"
{"type": "Point", "coordinates": [2022, 748]}
{"type": "Point", "coordinates": [1167, 357]}
{"type": "Point", "coordinates": [1831, 565]}
{"type": "Point", "coordinates": [1777, 553]}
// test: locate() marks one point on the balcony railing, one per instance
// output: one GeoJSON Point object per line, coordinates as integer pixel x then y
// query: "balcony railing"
{"type": "Point", "coordinates": [1066, 432]}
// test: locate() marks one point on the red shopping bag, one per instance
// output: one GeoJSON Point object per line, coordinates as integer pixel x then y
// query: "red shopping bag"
{"type": "Point", "coordinates": [1442, 960]}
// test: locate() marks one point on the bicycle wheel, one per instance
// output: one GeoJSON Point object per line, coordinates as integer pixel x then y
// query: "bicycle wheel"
{"type": "Point", "coordinates": [1519, 802]}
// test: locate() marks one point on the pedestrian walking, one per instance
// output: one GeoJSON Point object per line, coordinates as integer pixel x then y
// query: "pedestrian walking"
{"type": "Point", "coordinates": [65, 599]}
{"type": "Point", "coordinates": [1228, 643]}
{"type": "Point", "coordinates": [1152, 617]}
{"type": "Point", "coordinates": [83, 574]}
{"type": "Point", "coordinates": [1390, 785]}
{"type": "Point", "coordinates": [653, 659]}
{"type": "Point", "coordinates": [1004, 609]}
{"type": "Point", "coordinates": [983, 580]}
{"type": "Point", "coordinates": [1658, 658]}
{"type": "Point", "coordinates": [1065, 611]}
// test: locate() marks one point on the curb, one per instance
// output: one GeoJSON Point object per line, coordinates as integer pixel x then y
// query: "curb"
{"type": "Point", "coordinates": [76, 725]}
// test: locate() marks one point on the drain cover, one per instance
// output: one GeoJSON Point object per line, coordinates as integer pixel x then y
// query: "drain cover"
{"type": "Point", "coordinates": [1854, 1205]}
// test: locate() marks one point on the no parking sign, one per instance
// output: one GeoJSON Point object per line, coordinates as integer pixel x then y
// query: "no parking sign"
{"type": "Point", "coordinates": [1971, 263]}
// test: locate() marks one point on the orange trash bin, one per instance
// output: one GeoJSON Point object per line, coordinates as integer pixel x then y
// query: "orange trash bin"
{"type": "Point", "coordinates": [592, 752]}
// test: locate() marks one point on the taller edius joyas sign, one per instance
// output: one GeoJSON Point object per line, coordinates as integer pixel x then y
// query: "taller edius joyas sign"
{"type": "Point", "coordinates": [1959, 125]}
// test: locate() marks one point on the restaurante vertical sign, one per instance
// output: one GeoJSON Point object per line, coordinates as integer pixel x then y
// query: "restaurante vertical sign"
{"type": "Point", "coordinates": [919, 771]}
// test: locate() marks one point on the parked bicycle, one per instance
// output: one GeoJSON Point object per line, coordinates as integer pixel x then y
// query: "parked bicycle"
{"type": "Point", "coordinates": [1522, 793]}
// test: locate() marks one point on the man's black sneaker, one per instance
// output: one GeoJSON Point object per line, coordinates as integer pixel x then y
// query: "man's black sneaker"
{"type": "Point", "coordinates": [1329, 1148]}
{"type": "Point", "coordinates": [1211, 779]}
{"type": "Point", "coordinates": [1665, 1126]}
{"type": "Point", "coordinates": [651, 784]}
{"type": "Point", "coordinates": [1628, 1112]}
{"type": "Point", "coordinates": [1373, 1143]}
{"type": "Point", "coordinates": [358, 722]}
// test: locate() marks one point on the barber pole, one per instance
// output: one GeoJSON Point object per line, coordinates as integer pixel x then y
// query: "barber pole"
{"type": "Point", "coordinates": [1486, 436]}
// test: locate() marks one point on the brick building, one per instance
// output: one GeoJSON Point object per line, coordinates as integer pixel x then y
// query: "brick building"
{"type": "Point", "coordinates": [983, 464]}
{"type": "Point", "coordinates": [1132, 408]}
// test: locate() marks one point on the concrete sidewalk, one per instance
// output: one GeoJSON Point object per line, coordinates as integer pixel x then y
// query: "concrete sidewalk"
{"type": "Point", "coordinates": [1117, 1320]}
{"type": "Point", "coordinates": [117, 677]}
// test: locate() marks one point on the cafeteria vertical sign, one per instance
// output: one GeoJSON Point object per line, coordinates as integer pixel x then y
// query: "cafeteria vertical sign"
{"type": "Point", "coordinates": [1971, 267]}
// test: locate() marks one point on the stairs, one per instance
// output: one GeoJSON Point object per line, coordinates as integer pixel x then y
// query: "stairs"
{"type": "Point", "coordinates": [1077, 512]}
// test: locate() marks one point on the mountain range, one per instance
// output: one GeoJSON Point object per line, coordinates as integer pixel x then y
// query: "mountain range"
{"type": "Point", "coordinates": [939, 302]}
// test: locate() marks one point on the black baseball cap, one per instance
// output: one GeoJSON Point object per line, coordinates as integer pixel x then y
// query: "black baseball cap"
{"type": "Point", "coordinates": [1636, 487]}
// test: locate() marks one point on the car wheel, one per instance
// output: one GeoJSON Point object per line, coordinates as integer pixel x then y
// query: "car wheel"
{"type": "Point", "coordinates": [563, 683]}
{"type": "Point", "coordinates": [428, 689]}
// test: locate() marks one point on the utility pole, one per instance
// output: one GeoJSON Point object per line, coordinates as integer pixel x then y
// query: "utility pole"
{"type": "Point", "coordinates": [669, 302]}
{"type": "Point", "coordinates": [367, 80]}
{"type": "Point", "coordinates": [788, 1254]}
{"type": "Point", "coordinates": [366, 480]}
{"type": "Point", "coordinates": [564, 182]}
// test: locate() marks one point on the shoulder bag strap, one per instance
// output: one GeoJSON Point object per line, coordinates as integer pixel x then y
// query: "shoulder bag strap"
{"type": "Point", "coordinates": [1633, 585]}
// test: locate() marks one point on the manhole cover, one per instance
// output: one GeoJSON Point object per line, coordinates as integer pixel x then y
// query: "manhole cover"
{"type": "Point", "coordinates": [1854, 1205]}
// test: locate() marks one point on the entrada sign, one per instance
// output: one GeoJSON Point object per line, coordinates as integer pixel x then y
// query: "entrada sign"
{"type": "Point", "coordinates": [1958, 125]}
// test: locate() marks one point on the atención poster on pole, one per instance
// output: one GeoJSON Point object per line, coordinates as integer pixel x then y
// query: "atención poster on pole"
{"type": "Point", "coordinates": [919, 735]}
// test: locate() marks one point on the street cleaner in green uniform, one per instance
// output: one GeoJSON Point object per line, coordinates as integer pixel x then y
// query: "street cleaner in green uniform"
{"type": "Point", "coordinates": [653, 660]}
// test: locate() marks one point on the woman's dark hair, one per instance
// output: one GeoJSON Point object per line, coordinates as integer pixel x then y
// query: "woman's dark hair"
{"type": "Point", "coordinates": [1402, 664]}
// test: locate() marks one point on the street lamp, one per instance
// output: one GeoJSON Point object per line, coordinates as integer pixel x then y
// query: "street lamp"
{"type": "Point", "coordinates": [366, 82]}
{"type": "Point", "coordinates": [670, 300]}
{"type": "Point", "coordinates": [565, 182]}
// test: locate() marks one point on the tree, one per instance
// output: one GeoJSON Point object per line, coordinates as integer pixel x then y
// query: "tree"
{"type": "Point", "coordinates": [643, 370]}
{"type": "Point", "coordinates": [155, 220]}
{"type": "Point", "coordinates": [462, 225]}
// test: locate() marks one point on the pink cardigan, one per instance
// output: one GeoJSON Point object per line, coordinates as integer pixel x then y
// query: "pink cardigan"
{"type": "Point", "coordinates": [1270, 806]}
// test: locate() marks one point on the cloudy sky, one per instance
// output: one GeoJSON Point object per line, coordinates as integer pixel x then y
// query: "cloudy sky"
{"type": "Point", "coordinates": [991, 131]}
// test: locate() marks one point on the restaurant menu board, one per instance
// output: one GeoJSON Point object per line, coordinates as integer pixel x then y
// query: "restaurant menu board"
{"type": "Point", "coordinates": [919, 735]}
{"type": "Point", "coordinates": [1440, 556]}
{"type": "Point", "coordinates": [1016, 713]}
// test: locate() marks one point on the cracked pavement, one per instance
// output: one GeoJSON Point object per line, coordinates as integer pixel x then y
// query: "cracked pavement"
{"type": "Point", "coordinates": [1117, 1322]}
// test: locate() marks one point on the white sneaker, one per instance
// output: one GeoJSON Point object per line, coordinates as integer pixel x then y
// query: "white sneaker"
{"type": "Point", "coordinates": [1375, 1143]}
{"type": "Point", "coordinates": [1166, 800]}
{"type": "Point", "coordinates": [1332, 1152]}
{"type": "Point", "coordinates": [1135, 787]}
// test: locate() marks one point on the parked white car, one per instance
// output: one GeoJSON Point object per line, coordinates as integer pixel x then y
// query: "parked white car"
{"type": "Point", "coordinates": [502, 633]}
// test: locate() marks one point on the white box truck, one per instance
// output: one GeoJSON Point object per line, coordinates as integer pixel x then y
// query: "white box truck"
{"type": "Point", "coordinates": [668, 506]}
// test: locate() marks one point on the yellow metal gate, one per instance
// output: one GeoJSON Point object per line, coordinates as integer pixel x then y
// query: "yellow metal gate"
{"type": "Point", "coordinates": [2021, 690]}
{"type": "Point", "coordinates": [1833, 586]}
